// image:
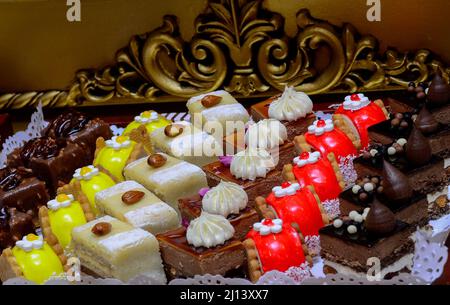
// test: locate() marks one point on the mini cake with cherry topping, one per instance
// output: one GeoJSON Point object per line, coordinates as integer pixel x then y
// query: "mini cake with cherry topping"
{"type": "Point", "coordinates": [293, 108]}
{"type": "Point", "coordinates": [321, 173]}
{"type": "Point", "coordinates": [358, 113]}
{"type": "Point", "coordinates": [168, 178]}
{"type": "Point", "coordinates": [218, 107]}
{"type": "Point", "coordinates": [274, 244]}
{"type": "Point", "coordinates": [130, 202]}
{"type": "Point", "coordinates": [227, 199]}
{"type": "Point", "coordinates": [207, 246]}
{"type": "Point", "coordinates": [324, 137]}
{"type": "Point", "coordinates": [110, 248]}
{"type": "Point", "coordinates": [351, 241]}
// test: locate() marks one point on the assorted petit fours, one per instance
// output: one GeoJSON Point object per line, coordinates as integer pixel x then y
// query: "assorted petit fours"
{"type": "Point", "coordinates": [184, 141]}
{"type": "Point", "coordinates": [324, 137]}
{"type": "Point", "coordinates": [273, 244]}
{"type": "Point", "coordinates": [167, 177]}
{"type": "Point", "coordinates": [293, 108]}
{"type": "Point", "coordinates": [350, 242]}
{"type": "Point", "coordinates": [227, 199]}
{"type": "Point", "coordinates": [13, 226]}
{"type": "Point", "coordinates": [114, 154]}
{"type": "Point", "coordinates": [69, 209]}
{"type": "Point", "coordinates": [20, 189]}
{"type": "Point", "coordinates": [150, 119]}
{"type": "Point", "coordinates": [130, 202]}
{"type": "Point", "coordinates": [426, 172]}
{"type": "Point", "coordinates": [253, 169]}
{"type": "Point", "coordinates": [33, 259]}
{"type": "Point", "coordinates": [358, 113]}
{"type": "Point", "coordinates": [217, 107]}
{"type": "Point", "coordinates": [315, 170]}
{"type": "Point", "coordinates": [51, 160]}
{"type": "Point", "coordinates": [110, 248]}
{"type": "Point", "coordinates": [80, 129]}
{"type": "Point", "coordinates": [294, 204]}
{"type": "Point", "coordinates": [206, 246]}
{"type": "Point", "coordinates": [91, 180]}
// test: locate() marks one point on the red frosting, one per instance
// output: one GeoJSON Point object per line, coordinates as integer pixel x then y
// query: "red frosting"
{"type": "Point", "coordinates": [334, 141]}
{"type": "Point", "coordinates": [363, 118]}
{"type": "Point", "coordinates": [301, 208]}
{"type": "Point", "coordinates": [321, 175]}
{"type": "Point", "coordinates": [278, 251]}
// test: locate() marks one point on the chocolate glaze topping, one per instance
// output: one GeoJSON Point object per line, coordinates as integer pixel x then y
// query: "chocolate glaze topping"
{"type": "Point", "coordinates": [67, 124]}
{"type": "Point", "coordinates": [418, 149]}
{"type": "Point", "coordinates": [10, 178]}
{"type": "Point", "coordinates": [43, 148]}
{"type": "Point", "coordinates": [380, 220]}
{"type": "Point", "coordinates": [396, 185]}
{"type": "Point", "coordinates": [439, 91]}
{"type": "Point", "coordinates": [425, 122]}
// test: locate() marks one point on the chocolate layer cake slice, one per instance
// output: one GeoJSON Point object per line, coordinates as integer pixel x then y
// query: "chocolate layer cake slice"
{"type": "Point", "coordinates": [13, 226]}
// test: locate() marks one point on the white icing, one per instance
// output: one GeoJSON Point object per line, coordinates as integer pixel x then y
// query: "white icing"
{"type": "Point", "coordinates": [290, 106]}
{"type": "Point", "coordinates": [144, 120]}
{"type": "Point", "coordinates": [251, 163]}
{"type": "Point", "coordinates": [312, 158]}
{"type": "Point", "coordinates": [112, 143]}
{"type": "Point", "coordinates": [279, 191]}
{"type": "Point", "coordinates": [313, 129]}
{"type": "Point", "coordinates": [28, 245]}
{"type": "Point", "coordinates": [87, 176]}
{"type": "Point", "coordinates": [119, 188]}
{"type": "Point", "coordinates": [266, 134]}
{"type": "Point", "coordinates": [355, 105]}
{"type": "Point", "coordinates": [235, 110]}
{"type": "Point", "coordinates": [176, 172]}
{"type": "Point", "coordinates": [263, 229]}
{"type": "Point", "coordinates": [224, 199]}
{"type": "Point", "coordinates": [55, 205]}
{"type": "Point", "coordinates": [154, 214]}
{"type": "Point", "coordinates": [123, 240]}
{"type": "Point", "coordinates": [209, 230]}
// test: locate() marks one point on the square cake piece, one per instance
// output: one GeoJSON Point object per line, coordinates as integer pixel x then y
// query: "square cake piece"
{"type": "Point", "coordinates": [167, 177]}
{"type": "Point", "coordinates": [131, 202]}
{"type": "Point", "coordinates": [184, 141]}
{"type": "Point", "coordinates": [218, 106]}
{"type": "Point", "coordinates": [109, 248]}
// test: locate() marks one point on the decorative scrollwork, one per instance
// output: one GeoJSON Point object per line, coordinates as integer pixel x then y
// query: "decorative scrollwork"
{"type": "Point", "coordinates": [240, 46]}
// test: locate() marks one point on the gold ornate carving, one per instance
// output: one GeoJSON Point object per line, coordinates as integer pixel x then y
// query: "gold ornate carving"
{"type": "Point", "coordinates": [240, 46]}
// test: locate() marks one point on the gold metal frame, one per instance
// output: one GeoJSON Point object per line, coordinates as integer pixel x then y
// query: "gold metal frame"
{"type": "Point", "coordinates": [242, 47]}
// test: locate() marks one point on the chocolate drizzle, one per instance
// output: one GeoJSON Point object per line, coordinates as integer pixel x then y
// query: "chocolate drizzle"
{"type": "Point", "coordinates": [10, 178]}
{"type": "Point", "coordinates": [418, 149]}
{"type": "Point", "coordinates": [67, 124]}
{"type": "Point", "coordinates": [425, 122]}
{"type": "Point", "coordinates": [43, 148]}
{"type": "Point", "coordinates": [396, 187]}
{"type": "Point", "coordinates": [439, 91]}
{"type": "Point", "coordinates": [380, 220]}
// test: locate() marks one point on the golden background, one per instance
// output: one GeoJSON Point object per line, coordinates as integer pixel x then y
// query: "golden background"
{"type": "Point", "coordinates": [40, 49]}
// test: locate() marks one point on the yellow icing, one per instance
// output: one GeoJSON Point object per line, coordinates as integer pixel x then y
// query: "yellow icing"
{"type": "Point", "coordinates": [64, 219]}
{"type": "Point", "coordinates": [150, 126]}
{"type": "Point", "coordinates": [114, 160]}
{"type": "Point", "coordinates": [62, 197]}
{"type": "Point", "coordinates": [38, 265]}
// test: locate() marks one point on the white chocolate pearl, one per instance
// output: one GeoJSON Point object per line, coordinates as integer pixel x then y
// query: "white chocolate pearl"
{"type": "Point", "coordinates": [353, 214]}
{"type": "Point", "coordinates": [352, 229]}
{"type": "Point", "coordinates": [359, 218]}
{"type": "Point", "coordinates": [401, 141]}
{"type": "Point", "coordinates": [373, 152]}
{"type": "Point", "coordinates": [368, 187]}
{"type": "Point", "coordinates": [391, 151]}
{"type": "Point", "coordinates": [355, 189]}
{"type": "Point", "coordinates": [337, 223]}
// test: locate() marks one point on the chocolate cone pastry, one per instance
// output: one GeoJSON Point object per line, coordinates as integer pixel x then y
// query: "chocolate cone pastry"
{"type": "Point", "coordinates": [425, 122]}
{"type": "Point", "coordinates": [396, 187]}
{"type": "Point", "coordinates": [380, 220]}
{"type": "Point", "coordinates": [439, 91]}
{"type": "Point", "coordinates": [418, 149]}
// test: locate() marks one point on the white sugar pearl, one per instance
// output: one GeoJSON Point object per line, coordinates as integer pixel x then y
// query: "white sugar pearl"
{"type": "Point", "coordinates": [391, 151]}
{"type": "Point", "coordinates": [359, 218]}
{"type": "Point", "coordinates": [353, 214]}
{"type": "Point", "coordinates": [352, 229]}
{"type": "Point", "coordinates": [355, 189]}
{"type": "Point", "coordinates": [337, 223]}
{"type": "Point", "coordinates": [373, 152]}
{"type": "Point", "coordinates": [401, 141]}
{"type": "Point", "coordinates": [368, 187]}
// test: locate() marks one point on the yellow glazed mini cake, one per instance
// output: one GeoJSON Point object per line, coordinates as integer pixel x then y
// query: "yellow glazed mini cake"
{"type": "Point", "coordinates": [150, 119]}
{"type": "Point", "coordinates": [167, 177]}
{"type": "Point", "coordinates": [31, 258]}
{"type": "Point", "coordinates": [92, 180]}
{"type": "Point", "coordinates": [109, 248]}
{"type": "Point", "coordinates": [114, 154]}
{"type": "Point", "coordinates": [131, 202]}
{"type": "Point", "coordinates": [69, 209]}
